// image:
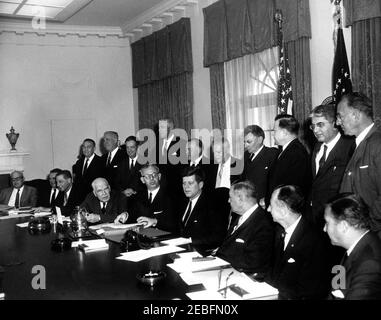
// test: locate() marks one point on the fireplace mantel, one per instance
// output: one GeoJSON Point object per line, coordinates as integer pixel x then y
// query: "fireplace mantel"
{"type": "Point", "coordinates": [10, 161]}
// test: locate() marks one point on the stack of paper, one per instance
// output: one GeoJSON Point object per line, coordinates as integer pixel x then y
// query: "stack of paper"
{"type": "Point", "coordinates": [91, 245]}
{"type": "Point", "coordinates": [188, 264]}
{"type": "Point", "coordinates": [139, 255]}
{"type": "Point", "coordinates": [177, 241]}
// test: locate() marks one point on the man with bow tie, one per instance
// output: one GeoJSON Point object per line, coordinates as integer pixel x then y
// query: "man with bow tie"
{"type": "Point", "coordinates": [300, 268]}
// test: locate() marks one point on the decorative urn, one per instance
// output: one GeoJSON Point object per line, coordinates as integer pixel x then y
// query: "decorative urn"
{"type": "Point", "coordinates": [12, 138]}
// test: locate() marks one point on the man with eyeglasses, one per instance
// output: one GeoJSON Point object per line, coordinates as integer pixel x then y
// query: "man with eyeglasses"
{"type": "Point", "coordinates": [19, 195]}
{"type": "Point", "coordinates": [363, 173]}
{"type": "Point", "coordinates": [104, 204]}
{"type": "Point", "coordinates": [329, 159]}
{"type": "Point", "coordinates": [152, 206]}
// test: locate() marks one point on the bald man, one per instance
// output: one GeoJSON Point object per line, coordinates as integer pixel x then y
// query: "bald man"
{"type": "Point", "coordinates": [104, 204]}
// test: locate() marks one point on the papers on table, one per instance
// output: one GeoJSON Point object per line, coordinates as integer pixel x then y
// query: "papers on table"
{"type": "Point", "coordinates": [92, 244]}
{"type": "Point", "coordinates": [188, 265]}
{"type": "Point", "coordinates": [115, 226]}
{"type": "Point", "coordinates": [42, 213]}
{"type": "Point", "coordinates": [177, 241]}
{"type": "Point", "coordinates": [139, 255]}
{"type": "Point", "coordinates": [20, 215]}
{"type": "Point", "coordinates": [23, 225]}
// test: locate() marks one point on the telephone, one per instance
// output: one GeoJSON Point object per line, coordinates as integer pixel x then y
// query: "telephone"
{"type": "Point", "coordinates": [135, 241]}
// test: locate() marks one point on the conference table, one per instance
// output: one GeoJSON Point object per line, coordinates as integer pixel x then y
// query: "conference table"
{"type": "Point", "coordinates": [74, 274]}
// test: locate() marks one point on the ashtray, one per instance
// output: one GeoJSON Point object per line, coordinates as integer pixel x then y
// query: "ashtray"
{"type": "Point", "coordinates": [151, 278]}
{"type": "Point", "coordinates": [39, 225]}
{"type": "Point", "coordinates": [61, 244]}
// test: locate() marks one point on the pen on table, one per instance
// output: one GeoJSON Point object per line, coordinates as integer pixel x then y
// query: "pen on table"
{"type": "Point", "coordinates": [197, 259]}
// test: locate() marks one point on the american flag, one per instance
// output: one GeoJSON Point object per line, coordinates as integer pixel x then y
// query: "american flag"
{"type": "Point", "coordinates": [284, 82]}
{"type": "Point", "coordinates": [341, 78]}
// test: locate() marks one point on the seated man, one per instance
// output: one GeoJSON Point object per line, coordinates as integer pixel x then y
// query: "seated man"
{"type": "Point", "coordinates": [348, 223]}
{"type": "Point", "coordinates": [104, 204]}
{"type": "Point", "coordinates": [300, 268]}
{"type": "Point", "coordinates": [248, 245]}
{"type": "Point", "coordinates": [152, 206]}
{"type": "Point", "coordinates": [19, 195]}
{"type": "Point", "coordinates": [49, 196]}
{"type": "Point", "coordinates": [69, 197]}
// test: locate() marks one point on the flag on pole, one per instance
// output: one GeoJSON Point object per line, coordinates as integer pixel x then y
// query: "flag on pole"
{"type": "Point", "coordinates": [341, 78]}
{"type": "Point", "coordinates": [284, 82]}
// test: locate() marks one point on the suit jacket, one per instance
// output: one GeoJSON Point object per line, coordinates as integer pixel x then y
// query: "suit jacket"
{"type": "Point", "coordinates": [363, 270]}
{"type": "Point", "coordinates": [301, 271]}
{"type": "Point", "coordinates": [326, 183]}
{"type": "Point", "coordinates": [28, 196]}
{"type": "Point", "coordinates": [115, 206]}
{"type": "Point", "coordinates": [257, 170]}
{"type": "Point", "coordinates": [204, 225]}
{"type": "Point", "coordinates": [249, 248]}
{"type": "Point", "coordinates": [83, 181]}
{"type": "Point", "coordinates": [292, 167]}
{"type": "Point", "coordinates": [363, 175]}
{"type": "Point", "coordinates": [161, 208]}
{"type": "Point", "coordinates": [44, 197]}
{"type": "Point", "coordinates": [111, 171]}
{"type": "Point", "coordinates": [72, 201]}
{"type": "Point", "coordinates": [127, 178]}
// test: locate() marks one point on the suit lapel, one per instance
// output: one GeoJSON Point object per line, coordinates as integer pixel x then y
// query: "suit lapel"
{"type": "Point", "coordinates": [295, 237]}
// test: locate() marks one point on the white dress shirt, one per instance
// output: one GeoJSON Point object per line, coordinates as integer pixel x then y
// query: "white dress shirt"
{"type": "Point", "coordinates": [113, 152]}
{"type": "Point", "coordinates": [88, 162]}
{"type": "Point", "coordinates": [363, 134]}
{"type": "Point", "coordinates": [154, 193]}
{"type": "Point", "coordinates": [225, 178]}
{"type": "Point", "coordinates": [12, 199]}
{"type": "Point", "coordinates": [289, 231]}
{"type": "Point", "coordinates": [193, 203]}
{"type": "Point", "coordinates": [256, 153]}
{"type": "Point", "coordinates": [330, 145]}
{"type": "Point", "coordinates": [196, 162]}
{"type": "Point", "coordinates": [349, 251]}
{"type": "Point", "coordinates": [246, 215]}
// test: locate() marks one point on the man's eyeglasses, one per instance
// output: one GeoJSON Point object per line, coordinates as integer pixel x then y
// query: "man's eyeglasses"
{"type": "Point", "coordinates": [318, 125]}
{"type": "Point", "coordinates": [151, 176]}
{"type": "Point", "coordinates": [17, 179]}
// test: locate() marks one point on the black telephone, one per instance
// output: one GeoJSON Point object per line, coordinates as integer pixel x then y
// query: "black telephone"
{"type": "Point", "coordinates": [135, 241]}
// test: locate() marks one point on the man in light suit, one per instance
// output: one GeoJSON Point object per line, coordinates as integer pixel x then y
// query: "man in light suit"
{"type": "Point", "coordinates": [363, 173]}
{"type": "Point", "coordinates": [348, 225]}
{"type": "Point", "coordinates": [300, 266]}
{"type": "Point", "coordinates": [258, 159]}
{"type": "Point", "coordinates": [329, 160]}
{"type": "Point", "coordinates": [293, 165]}
{"type": "Point", "coordinates": [249, 243]}
{"type": "Point", "coordinates": [104, 204]}
{"type": "Point", "coordinates": [19, 195]}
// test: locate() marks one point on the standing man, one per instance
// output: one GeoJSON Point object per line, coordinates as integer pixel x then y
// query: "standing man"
{"type": "Point", "coordinates": [348, 225]}
{"type": "Point", "coordinates": [258, 159]}
{"type": "Point", "coordinates": [70, 195]}
{"type": "Point", "coordinates": [329, 160]}
{"type": "Point", "coordinates": [293, 165]}
{"type": "Point", "coordinates": [363, 173]}
{"type": "Point", "coordinates": [19, 195]}
{"type": "Point", "coordinates": [300, 268]}
{"type": "Point", "coordinates": [87, 168]}
{"type": "Point", "coordinates": [113, 157]}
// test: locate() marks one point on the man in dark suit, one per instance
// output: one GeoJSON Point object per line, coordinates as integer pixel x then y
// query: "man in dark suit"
{"type": "Point", "coordinates": [348, 225]}
{"type": "Point", "coordinates": [249, 243]}
{"type": "Point", "coordinates": [329, 159]}
{"type": "Point", "coordinates": [87, 168]}
{"type": "Point", "coordinates": [363, 173]}
{"type": "Point", "coordinates": [19, 195]}
{"type": "Point", "coordinates": [48, 196]}
{"type": "Point", "coordinates": [198, 217]}
{"type": "Point", "coordinates": [104, 204]}
{"type": "Point", "coordinates": [113, 157]}
{"type": "Point", "coordinates": [300, 267]}
{"type": "Point", "coordinates": [293, 165]}
{"type": "Point", "coordinates": [153, 205]}
{"type": "Point", "coordinates": [69, 197]}
{"type": "Point", "coordinates": [128, 177]}
{"type": "Point", "coordinates": [258, 159]}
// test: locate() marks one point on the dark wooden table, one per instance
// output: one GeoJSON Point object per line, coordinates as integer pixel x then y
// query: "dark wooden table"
{"type": "Point", "coordinates": [74, 274]}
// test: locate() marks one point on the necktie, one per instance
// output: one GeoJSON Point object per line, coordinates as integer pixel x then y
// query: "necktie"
{"type": "Point", "coordinates": [188, 213]}
{"type": "Point", "coordinates": [103, 209]}
{"type": "Point", "coordinates": [150, 197]}
{"type": "Point", "coordinates": [53, 196]}
{"type": "Point", "coordinates": [322, 159]}
{"type": "Point", "coordinates": [65, 199]}
{"type": "Point", "coordinates": [344, 259]}
{"type": "Point", "coordinates": [17, 201]}
{"type": "Point", "coordinates": [234, 219]}
{"type": "Point", "coordinates": [108, 159]}
{"type": "Point", "coordinates": [280, 148]}
{"type": "Point", "coordinates": [132, 164]}
{"type": "Point", "coordinates": [283, 235]}
{"type": "Point", "coordinates": [219, 176]}
{"type": "Point", "coordinates": [252, 156]}
{"type": "Point", "coordinates": [85, 166]}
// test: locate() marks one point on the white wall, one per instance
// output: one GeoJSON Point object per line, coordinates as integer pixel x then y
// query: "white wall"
{"type": "Point", "coordinates": [53, 77]}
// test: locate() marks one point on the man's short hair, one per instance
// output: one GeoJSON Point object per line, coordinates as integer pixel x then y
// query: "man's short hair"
{"type": "Point", "coordinates": [89, 140]}
{"type": "Point", "coordinates": [114, 134]}
{"type": "Point", "coordinates": [149, 165]}
{"type": "Point", "coordinates": [55, 170]}
{"type": "Point", "coordinates": [360, 102]}
{"type": "Point", "coordinates": [288, 122]}
{"type": "Point", "coordinates": [292, 197]}
{"type": "Point", "coordinates": [199, 143]}
{"type": "Point", "coordinates": [66, 174]}
{"type": "Point", "coordinates": [131, 138]}
{"type": "Point", "coordinates": [327, 111]}
{"type": "Point", "coordinates": [352, 209]}
{"type": "Point", "coordinates": [247, 187]}
{"type": "Point", "coordinates": [197, 172]}
{"type": "Point", "coordinates": [19, 172]}
{"type": "Point", "coordinates": [255, 131]}
{"type": "Point", "coordinates": [98, 180]}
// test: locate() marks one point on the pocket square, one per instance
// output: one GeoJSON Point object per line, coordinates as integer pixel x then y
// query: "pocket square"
{"type": "Point", "coordinates": [157, 212]}
{"type": "Point", "coordinates": [364, 167]}
{"type": "Point", "coordinates": [338, 294]}
{"type": "Point", "coordinates": [115, 167]}
{"type": "Point", "coordinates": [291, 260]}
{"type": "Point", "coordinates": [334, 168]}
{"type": "Point", "coordinates": [239, 240]}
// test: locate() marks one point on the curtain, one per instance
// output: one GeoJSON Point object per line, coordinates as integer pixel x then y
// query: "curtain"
{"type": "Point", "coordinates": [250, 94]}
{"type": "Point", "coordinates": [366, 61]}
{"type": "Point", "coordinates": [217, 93]}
